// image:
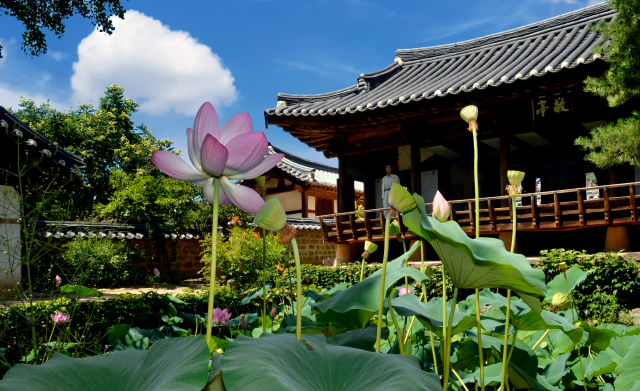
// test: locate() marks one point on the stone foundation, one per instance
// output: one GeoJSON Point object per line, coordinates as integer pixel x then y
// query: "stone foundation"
{"type": "Point", "coordinates": [312, 249]}
{"type": "Point", "coordinates": [188, 254]}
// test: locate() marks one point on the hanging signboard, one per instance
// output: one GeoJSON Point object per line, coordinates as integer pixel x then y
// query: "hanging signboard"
{"type": "Point", "coordinates": [552, 106]}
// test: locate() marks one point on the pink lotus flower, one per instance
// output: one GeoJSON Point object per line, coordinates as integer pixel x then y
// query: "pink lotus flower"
{"type": "Point", "coordinates": [58, 280]}
{"type": "Point", "coordinates": [229, 153]}
{"type": "Point", "coordinates": [60, 317]}
{"type": "Point", "coordinates": [441, 208]}
{"type": "Point", "coordinates": [221, 316]}
{"type": "Point", "coordinates": [403, 291]}
{"type": "Point", "coordinates": [274, 312]}
{"type": "Point", "coordinates": [156, 272]}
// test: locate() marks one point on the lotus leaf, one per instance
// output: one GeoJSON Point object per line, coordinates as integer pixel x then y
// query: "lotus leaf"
{"type": "Point", "coordinates": [574, 276]}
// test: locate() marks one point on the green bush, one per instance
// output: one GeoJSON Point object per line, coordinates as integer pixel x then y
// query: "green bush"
{"type": "Point", "coordinates": [612, 287]}
{"type": "Point", "coordinates": [98, 263]}
{"type": "Point", "coordinates": [240, 257]}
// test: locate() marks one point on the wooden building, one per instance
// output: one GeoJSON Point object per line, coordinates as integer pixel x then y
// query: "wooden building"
{"type": "Point", "coordinates": [528, 85]}
{"type": "Point", "coordinates": [305, 188]}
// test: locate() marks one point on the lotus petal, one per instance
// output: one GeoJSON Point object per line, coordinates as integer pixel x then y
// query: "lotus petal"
{"type": "Point", "coordinates": [207, 189]}
{"type": "Point", "coordinates": [213, 156]}
{"type": "Point", "coordinates": [267, 164]}
{"type": "Point", "coordinates": [243, 197]}
{"type": "Point", "coordinates": [195, 157]}
{"type": "Point", "coordinates": [246, 151]}
{"type": "Point", "coordinates": [235, 126]}
{"type": "Point", "coordinates": [206, 123]}
{"type": "Point", "coordinates": [172, 165]}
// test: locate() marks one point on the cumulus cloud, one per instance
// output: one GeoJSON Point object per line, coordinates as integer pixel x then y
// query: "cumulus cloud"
{"type": "Point", "coordinates": [58, 56]}
{"type": "Point", "coordinates": [159, 68]}
{"type": "Point", "coordinates": [10, 97]}
{"type": "Point", "coordinates": [5, 45]}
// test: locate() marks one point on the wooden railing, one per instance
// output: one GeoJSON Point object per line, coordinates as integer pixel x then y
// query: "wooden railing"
{"type": "Point", "coordinates": [545, 211]}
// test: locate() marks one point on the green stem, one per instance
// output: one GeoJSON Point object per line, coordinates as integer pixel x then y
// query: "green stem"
{"type": "Point", "coordinates": [214, 250]}
{"type": "Point", "coordinates": [475, 178]}
{"type": "Point", "coordinates": [382, 290]}
{"type": "Point", "coordinates": [406, 263]}
{"type": "Point", "coordinates": [479, 325]}
{"type": "Point", "coordinates": [506, 341]}
{"type": "Point", "coordinates": [296, 256]}
{"type": "Point", "coordinates": [264, 281]}
{"type": "Point", "coordinates": [395, 323]}
{"type": "Point", "coordinates": [515, 336]}
{"type": "Point", "coordinates": [364, 262]}
{"type": "Point", "coordinates": [515, 225]}
{"type": "Point", "coordinates": [433, 351]}
{"type": "Point", "coordinates": [443, 341]}
{"type": "Point", "coordinates": [447, 355]}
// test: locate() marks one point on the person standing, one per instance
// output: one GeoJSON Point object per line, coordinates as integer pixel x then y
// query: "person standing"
{"type": "Point", "coordinates": [387, 181]}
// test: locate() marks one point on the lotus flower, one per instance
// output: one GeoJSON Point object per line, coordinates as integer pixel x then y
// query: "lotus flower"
{"type": "Point", "coordinates": [156, 272]}
{"type": "Point", "coordinates": [441, 208]}
{"type": "Point", "coordinates": [58, 280]}
{"type": "Point", "coordinates": [274, 312]}
{"type": "Point", "coordinates": [221, 316]}
{"type": "Point", "coordinates": [403, 291]}
{"type": "Point", "coordinates": [60, 317]}
{"type": "Point", "coordinates": [232, 152]}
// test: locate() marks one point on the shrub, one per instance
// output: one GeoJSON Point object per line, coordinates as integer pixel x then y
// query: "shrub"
{"type": "Point", "coordinates": [240, 257]}
{"type": "Point", "coordinates": [98, 263]}
{"type": "Point", "coordinates": [613, 284]}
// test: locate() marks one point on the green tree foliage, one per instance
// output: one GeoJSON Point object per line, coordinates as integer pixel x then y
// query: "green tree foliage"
{"type": "Point", "coordinates": [617, 143]}
{"type": "Point", "coordinates": [105, 138]}
{"type": "Point", "coordinates": [51, 14]}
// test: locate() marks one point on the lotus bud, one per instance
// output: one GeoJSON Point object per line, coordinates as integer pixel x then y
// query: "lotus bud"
{"type": "Point", "coordinates": [274, 312]}
{"type": "Point", "coordinates": [156, 272]}
{"type": "Point", "coordinates": [370, 247]}
{"type": "Point", "coordinates": [271, 216]}
{"type": "Point", "coordinates": [403, 291]}
{"type": "Point", "coordinates": [260, 186]}
{"type": "Point", "coordinates": [394, 228]}
{"type": "Point", "coordinates": [243, 322]}
{"type": "Point", "coordinates": [561, 301]}
{"type": "Point", "coordinates": [58, 280]}
{"type": "Point", "coordinates": [441, 208]}
{"type": "Point", "coordinates": [470, 115]}
{"type": "Point", "coordinates": [400, 199]}
{"type": "Point", "coordinates": [515, 177]}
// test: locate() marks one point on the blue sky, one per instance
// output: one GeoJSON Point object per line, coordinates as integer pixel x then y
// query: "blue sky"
{"type": "Point", "coordinates": [240, 54]}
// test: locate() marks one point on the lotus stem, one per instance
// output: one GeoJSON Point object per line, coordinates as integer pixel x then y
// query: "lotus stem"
{"type": "Point", "coordinates": [264, 281]}
{"type": "Point", "coordinates": [443, 350]}
{"type": "Point", "coordinates": [214, 250]}
{"type": "Point", "coordinates": [540, 340]}
{"type": "Point", "coordinates": [515, 336]}
{"type": "Point", "coordinates": [382, 290]}
{"type": "Point", "coordinates": [506, 342]}
{"type": "Point", "coordinates": [296, 256]}
{"type": "Point", "coordinates": [459, 379]}
{"type": "Point", "coordinates": [433, 351]}
{"type": "Point", "coordinates": [447, 354]}
{"type": "Point", "coordinates": [479, 326]}
{"type": "Point", "coordinates": [515, 224]}
{"type": "Point", "coordinates": [395, 323]}
{"type": "Point", "coordinates": [475, 179]}
{"type": "Point", "coordinates": [413, 318]}
{"type": "Point", "coordinates": [364, 262]}
{"type": "Point", "coordinates": [584, 382]}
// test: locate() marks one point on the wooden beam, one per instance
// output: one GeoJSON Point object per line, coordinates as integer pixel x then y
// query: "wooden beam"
{"type": "Point", "coordinates": [632, 204]}
{"type": "Point", "coordinates": [504, 163]}
{"type": "Point", "coordinates": [305, 210]}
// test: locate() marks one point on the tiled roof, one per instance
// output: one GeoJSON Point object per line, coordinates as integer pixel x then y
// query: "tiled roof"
{"type": "Point", "coordinates": [72, 229]}
{"type": "Point", "coordinates": [426, 73]}
{"type": "Point", "coordinates": [303, 223]}
{"type": "Point", "coordinates": [309, 171]}
{"type": "Point", "coordinates": [32, 139]}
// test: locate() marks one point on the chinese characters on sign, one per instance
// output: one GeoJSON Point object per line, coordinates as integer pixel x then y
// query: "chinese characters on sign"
{"type": "Point", "coordinates": [551, 106]}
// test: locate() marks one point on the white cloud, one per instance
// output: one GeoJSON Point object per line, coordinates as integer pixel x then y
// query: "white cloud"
{"type": "Point", "coordinates": [159, 68]}
{"type": "Point", "coordinates": [5, 46]}
{"type": "Point", "coordinates": [592, 2]}
{"type": "Point", "coordinates": [11, 96]}
{"type": "Point", "coordinates": [58, 56]}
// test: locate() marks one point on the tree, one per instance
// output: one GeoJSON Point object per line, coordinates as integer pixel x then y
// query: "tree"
{"type": "Point", "coordinates": [617, 143]}
{"type": "Point", "coordinates": [105, 138]}
{"type": "Point", "coordinates": [36, 15]}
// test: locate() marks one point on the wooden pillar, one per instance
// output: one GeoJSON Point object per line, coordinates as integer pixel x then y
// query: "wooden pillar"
{"type": "Point", "coordinates": [370, 194]}
{"type": "Point", "coordinates": [416, 186]}
{"type": "Point", "coordinates": [305, 211]}
{"type": "Point", "coordinates": [346, 196]}
{"type": "Point", "coordinates": [504, 164]}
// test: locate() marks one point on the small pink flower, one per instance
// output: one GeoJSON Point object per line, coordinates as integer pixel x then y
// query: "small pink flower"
{"type": "Point", "coordinates": [58, 280]}
{"type": "Point", "coordinates": [221, 316]}
{"type": "Point", "coordinates": [441, 208]}
{"type": "Point", "coordinates": [403, 291]}
{"type": "Point", "coordinates": [274, 312]}
{"type": "Point", "coordinates": [60, 317]}
{"type": "Point", "coordinates": [156, 272]}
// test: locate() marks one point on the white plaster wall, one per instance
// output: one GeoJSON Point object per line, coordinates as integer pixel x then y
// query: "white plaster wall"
{"type": "Point", "coordinates": [311, 202]}
{"type": "Point", "coordinates": [291, 200]}
{"type": "Point", "coordinates": [10, 247]}
{"type": "Point", "coordinates": [335, 206]}
{"type": "Point", "coordinates": [312, 215]}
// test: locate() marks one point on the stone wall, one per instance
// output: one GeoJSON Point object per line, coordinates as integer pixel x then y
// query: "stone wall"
{"type": "Point", "coordinates": [312, 249]}
{"type": "Point", "coordinates": [188, 254]}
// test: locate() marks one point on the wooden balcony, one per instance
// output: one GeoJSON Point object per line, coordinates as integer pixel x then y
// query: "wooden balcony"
{"type": "Point", "coordinates": [545, 211]}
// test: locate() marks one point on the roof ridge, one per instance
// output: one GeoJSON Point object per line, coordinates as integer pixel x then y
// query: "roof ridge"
{"type": "Point", "coordinates": [580, 15]}
{"type": "Point", "coordinates": [303, 161]}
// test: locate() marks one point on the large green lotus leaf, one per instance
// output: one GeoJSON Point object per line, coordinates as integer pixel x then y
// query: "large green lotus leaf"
{"type": "Point", "coordinates": [80, 291]}
{"type": "Point", "coordinates": [280, 362]}
{"type": "Point", "coordinates": [599, 338]}
{"type": "Point", "coordinates": [602, 363]}
{"type": "Point", "coordinates": [628, 369]}
{"type": "Point", "coordinates": [574, 275]}
{"type": "Point", "coordinates": [359, 339]}
{"type": "Point", "coordinates": [557, 369]}
{"type": "Point", "coordinates": [492, 375]}
{"type": "Point", "coordinates": [177, 364]}
{"type": "Point", "coordinates": [355, 319]}
{"type": "Point", "coordinates": [365, 295]}
{"type": "Point", "coordinates": [478, 263]}
{"type": "Point", "coordinates": [466, 355]}
{"type": "Point", "coordinates": [137, 338]}
{"type": "Point", "coordinates": [430, 314]}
